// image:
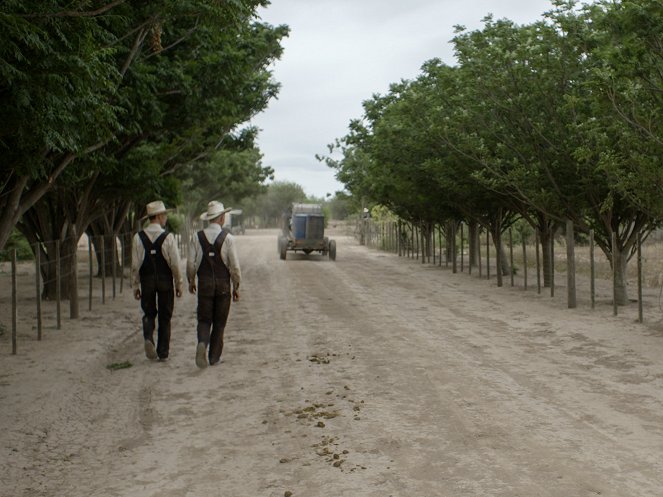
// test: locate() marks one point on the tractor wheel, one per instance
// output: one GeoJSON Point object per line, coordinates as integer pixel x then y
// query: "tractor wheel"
{"type": "Point", "coordinates": [332, 250]}
{"type": "Point", "coordinates": [284, 249]}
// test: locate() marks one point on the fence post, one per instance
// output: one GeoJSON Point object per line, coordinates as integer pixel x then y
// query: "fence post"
{"type": "Point", "coordinates": [113, 263]}
{"type": "Point", "coordinates": [538, 263]}
{"type": "Point", "coordinates": [640, 312]}
{"type": "Point", "coordinates": [446, 245]}
{"type": "Point", "coordinates": [439, 239]}
{"type": "Point", "coordinates": [552, 264]}
{"type": "Point", "coordinates": [479, 252]}
{"type": "Point", "coordinates": [429, 235]}
{"type": "Point", "coordinates": [73, 278]}
{"type": "Point", "coordinates": [89, 254]}
{"type": "Point", "coordinates": [122, 255]}
{"type": "Point", "coordinates": [487, 254]}
{"type": "Point", "coordinates": [524, 259]}
{"type": "Point", "coordinates": [434, 247]}
{"type": "Point", "coordinates": [498, 260]}
{"type": "Point", "coordinates": [14, 303]}
{"type": "Point", "coordinates": [454, 262]}
{"type": "Point", "coordinates": [424, 244]}
{"type": "Point", "coordinates": [470, 247]}
{"type": "Point", "coordinates": [592, 270]}
{"type": "Point", "coordinates": [103, 271]}
{"type": "Point", "coordinates": [462, 248]}
{"type": "Point", "coordinates": [58, 289]}
{"type": "Point", "coordinates": [38, 288]}
{"type": "Point", "coordinates": [398, 235]}
{"type": "Point", "coordinates": [511, 254]}
{"type": "Point", "coordinates": [614, 273]}
{"type": "Point", "coordinates": [570, 265]}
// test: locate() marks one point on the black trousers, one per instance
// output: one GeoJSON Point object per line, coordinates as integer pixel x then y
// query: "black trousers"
{"type": "Point", "coordinates": [212, 317]}
{"type": "Point", "coordinates": [157, 305]}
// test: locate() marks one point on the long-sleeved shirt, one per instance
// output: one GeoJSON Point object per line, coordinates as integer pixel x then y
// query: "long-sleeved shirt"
{"type": "Point", "coordinates": [228, 255]}
{"type": "Point", "coordinates": [168, 250]}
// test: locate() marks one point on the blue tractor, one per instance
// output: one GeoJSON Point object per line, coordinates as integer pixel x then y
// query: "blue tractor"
{"type": "Point", "coordinates": [304, 230]}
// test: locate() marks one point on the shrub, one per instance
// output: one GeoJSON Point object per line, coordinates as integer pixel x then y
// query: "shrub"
{"type": "Point", "coordinates": [17, 241]}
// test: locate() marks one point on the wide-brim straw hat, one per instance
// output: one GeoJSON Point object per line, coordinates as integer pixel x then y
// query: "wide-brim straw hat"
{"type": "Point", "coordinates": [214, 210]}
{"type": "Point", "coordinates": [155, 208]}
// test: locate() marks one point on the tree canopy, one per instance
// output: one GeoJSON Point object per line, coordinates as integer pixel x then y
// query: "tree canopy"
{"type": "Point", "coordinates": [110, 104]}
{"type": "Point", "coordinates": [125, 97]}
{"type": "Point", "coordinates": [558, 119]}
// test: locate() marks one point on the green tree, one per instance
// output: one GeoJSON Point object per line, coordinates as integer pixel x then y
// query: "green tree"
{"type": "Point", "coordinates": [341, 205]}
{"type": "Point", "coordinates": [173, 110]}
{"type": "Point", "coordinates": [232, 173]}
{"type": "Point", "coordinates": [272, 205]}
{"type": "Point", "coordinates": [58, 74]}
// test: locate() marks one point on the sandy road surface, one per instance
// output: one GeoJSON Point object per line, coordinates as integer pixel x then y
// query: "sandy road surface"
{"type": "Point", "coordinates": [370, 376]}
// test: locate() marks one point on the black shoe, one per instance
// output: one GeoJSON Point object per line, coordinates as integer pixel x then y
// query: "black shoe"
{"type": "Point", "coordinates": [201, 355]}
{"type": "Point", "coordinates": [150, 351]}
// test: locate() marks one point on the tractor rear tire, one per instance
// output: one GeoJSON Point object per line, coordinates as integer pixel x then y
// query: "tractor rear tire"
{"type": "Point", "coordinates": [332, 250]}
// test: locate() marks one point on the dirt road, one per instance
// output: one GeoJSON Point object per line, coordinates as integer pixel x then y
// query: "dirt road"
{"type": "Point", "coordinates": [368, 376]}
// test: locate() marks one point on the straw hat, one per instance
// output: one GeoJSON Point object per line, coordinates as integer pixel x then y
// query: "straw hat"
{"type": "Point", "coordinates": [214, 210]}
{"type": "Point", "coordinates": [155, 208]}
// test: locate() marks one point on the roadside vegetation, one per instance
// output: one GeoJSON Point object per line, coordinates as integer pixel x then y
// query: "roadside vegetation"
{"type": "Point", "coordinates": [557, 120]}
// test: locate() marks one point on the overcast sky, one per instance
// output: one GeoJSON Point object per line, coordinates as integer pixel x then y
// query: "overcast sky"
{"type": "Point", "coordinates": [341, 52]}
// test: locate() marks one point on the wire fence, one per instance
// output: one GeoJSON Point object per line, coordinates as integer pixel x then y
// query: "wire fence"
{"type": "Point", "coordinates": [577, 269]}
{"type": "Point", "coordinates": [97, 267]}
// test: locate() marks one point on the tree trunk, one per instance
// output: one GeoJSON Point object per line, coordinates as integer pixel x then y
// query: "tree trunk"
{"type": "Point", "coordinates": [449, 235]}
{"type": "Point", "coordinates": [426, 238]}
{"type": "Point", "coordinates": [621, 264]}
{"type": "Point", "coordinates": [501, 258]}
{"type": "Point", "coordinates": [109, 228]}
{"type": "Point", "coordinates": [110, 245]}
{"type": "Point", "coordinates": [20, 194]}
{"type": "Point", "coordinates": [504, 261]}
{"type": "Point", "coordinates": [546, 232]}
{"type": "Point", "coordinates": [68, 269]}
{"type": "Point", "coordinates": [62, 214]}
{"type": "Point", "coordinates": [10, 206]}
{"type": "Point", "coordinates": [473, 243]}
{"type": "Point", "coordinates": [127, 240]}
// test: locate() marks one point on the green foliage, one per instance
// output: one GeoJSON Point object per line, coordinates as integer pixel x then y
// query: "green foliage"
{"type": "Point", "coordinates": [280, 195]}
{"type": "Point", "coordinates": [380, 213]}
{"type": "Point", "coordinates": [175, 222]}
{"type": "Point", "coordinates": [57, 79]}
{"type": "Point", "coordinates": [17, 242]}
{"type": "Point", "coordinates": [340, 206]}
{"type": "Point", "coordinates": [522, 230]}
{"type": "Point", "coordinates": [122, 105]}
{"type": "Point", "coordinates": [559, 119]}
{"type": "Point", "coordinates": [115, 366]}
{"type": "Point", "coordinates": [232, 173]}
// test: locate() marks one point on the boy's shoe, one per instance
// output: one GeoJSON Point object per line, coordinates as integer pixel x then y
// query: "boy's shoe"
{"type": "Point", "coordinates": [201, 355]}
{"type": "Point", "coordinates": [150, 351]}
